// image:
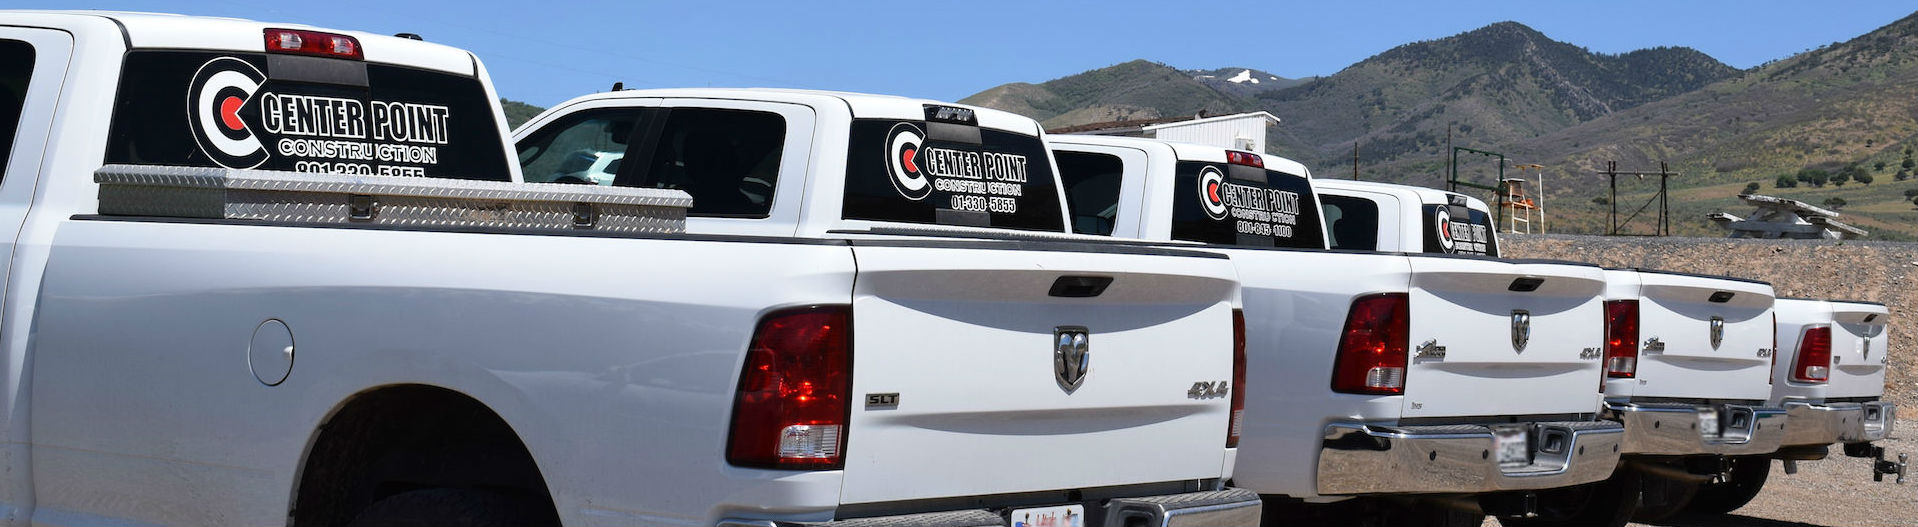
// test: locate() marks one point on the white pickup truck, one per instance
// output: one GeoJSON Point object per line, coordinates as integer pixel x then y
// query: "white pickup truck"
{"type": "Point", "coordinates": [196, 334]}
{"type": "Point", "coordinates": [1432, 378]}
{"type": "Point", "coordinates": [1686, 358]}
{"type": "Point", "coordinates": [1829, 376]}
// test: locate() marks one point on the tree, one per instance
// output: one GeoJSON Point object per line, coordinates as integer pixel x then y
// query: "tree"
{"type": "Point", "coordinates": [1879, 166]}
{"type": "Point", "coordinates": [1750, 188]}
{"type": "Point", "coordinates": [1863, 178]}
{"type": "Point", "coordinates": [1601, 201]}
{"type": "Point", "coordinates": [1784, 182]}
{"type": "Point", "coordinates": [1839, 179]}
{"type": "Point", "coordinates": [1834, 203]}
{"type": "Point", "coordinates": [1815, 177]}
{"type": "Point", "coordinates": [1902, 175]}
{"type": "Point", "coordinates": [1911, 193]}
{"type": "Point", "coordinates": [1907, 164]}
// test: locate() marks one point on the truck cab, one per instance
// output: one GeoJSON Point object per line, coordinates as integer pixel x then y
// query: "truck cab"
{"type": "Point", "coordinates": [1373, 216]}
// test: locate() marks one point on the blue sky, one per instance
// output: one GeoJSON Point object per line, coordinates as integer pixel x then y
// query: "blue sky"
{"type": "Point", "coordinates": [547, 52]}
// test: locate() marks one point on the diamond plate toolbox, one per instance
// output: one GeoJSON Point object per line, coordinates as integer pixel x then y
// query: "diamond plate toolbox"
{"type": "Point", "coordinates": [296, 197]}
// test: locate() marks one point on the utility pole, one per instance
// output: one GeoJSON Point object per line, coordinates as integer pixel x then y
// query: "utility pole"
{"type": "Point", "coordinates": [1355, 161]}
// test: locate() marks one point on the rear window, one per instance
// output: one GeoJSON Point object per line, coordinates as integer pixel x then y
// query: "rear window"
{"type": "Point", "coordinates": [1092, 189]}
{"type": "Point", "coordinates": [303, 114]}
{"type": "Point", "coordinates": [1353, 223]}
{"type": "Point", "coordinates": [1456, 228]}
{"type": "Point", "coordinates": [1242, 205]}
{"type": "Point", "coordinates": [16, 67]}
{"type": "Point", "coordinates": [947, 170]}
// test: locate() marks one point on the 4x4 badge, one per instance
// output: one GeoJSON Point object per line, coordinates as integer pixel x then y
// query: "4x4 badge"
{"type": "Point", "coordinates": [1071, 353]}
{"type": "Point", "coordinates": [1521, 329]}
{"type": "Point", "coordinates": [1718, 331]}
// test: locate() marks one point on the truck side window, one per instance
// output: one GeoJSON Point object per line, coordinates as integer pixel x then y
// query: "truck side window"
{"type": "Point", "coordinates": [16, 68]}
{"type": "Point", "coordinates": [1092, 189]}
{"type": "Point", "coordinates": [727, 159]}
{"type": "Point", "coordinates": [585, 147]}
{"type": "Point", "coordinates": [1353, 223]}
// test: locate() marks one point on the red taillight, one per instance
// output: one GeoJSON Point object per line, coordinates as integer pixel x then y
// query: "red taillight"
{"type": "Point", "coordinates": [1244, 158]}
{"type": "Point", "coordinates": [1621, 338]}
{"type": "Point", "coordinates": [1813, 363]}
{"type": "Point", "coordinates": [1372, 354]}
{"type": "Point", "coordinates": [1237, 422]}
{"type": "Point", "coordinates": [791, 408]}
{"type": "Point", "coordinates": [313, 43]}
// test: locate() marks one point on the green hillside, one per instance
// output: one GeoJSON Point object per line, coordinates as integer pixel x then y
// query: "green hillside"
{"type": "Point", "coordinates": [1848, 107]}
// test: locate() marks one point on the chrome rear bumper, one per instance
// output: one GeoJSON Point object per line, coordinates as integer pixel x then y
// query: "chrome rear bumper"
{"type": "Point", "coordinates": [1679, 429]}
{"type": "Point", "coordinates": [1231, 507]}
{"type": "Point", "coordinates": [1820, 423]}
{"type": "Point", "coordinates": [1372, 459]}
{"type": "Point", "coordinates": [1876, 422]}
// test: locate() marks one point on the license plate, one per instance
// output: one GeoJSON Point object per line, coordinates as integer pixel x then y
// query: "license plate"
{"type": "Point", "coordinates": [1055, 516]}
{"type": "Point", "coordinates": [1708, 422]}
{"type": "Point", "coordinates": [1511, 445]}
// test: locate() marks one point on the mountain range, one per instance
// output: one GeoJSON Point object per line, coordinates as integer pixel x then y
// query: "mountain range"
{"type": "Point", "coordinates": [1843, 108]}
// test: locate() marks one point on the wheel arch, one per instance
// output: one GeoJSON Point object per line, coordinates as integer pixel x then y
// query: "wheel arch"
{"type": "Point", "coordinates": [393, 438]}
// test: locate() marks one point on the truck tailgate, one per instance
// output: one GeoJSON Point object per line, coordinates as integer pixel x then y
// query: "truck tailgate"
{"type": "Point", "coordinates": [1858, 350]}
{"type": "Point", "coordinates": [1701, 337]}
{"type": "Point", "coordinates": [1518, 338]}
{"type": "Point", "coordinates": [963, 334]}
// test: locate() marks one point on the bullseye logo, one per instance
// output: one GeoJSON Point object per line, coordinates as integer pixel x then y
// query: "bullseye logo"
{"type": "Point", "coordinates": [1212, 192]}
{"type": "Point", "coordinates": [1443, 223]}
{"type": "Point", "coordinates": [903, 146]}
{"type": "Point", "coordinates": [219, 90]}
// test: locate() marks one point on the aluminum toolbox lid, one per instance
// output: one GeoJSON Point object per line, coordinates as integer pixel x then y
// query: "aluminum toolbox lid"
{"type": "Point", "coordinates": [297, 197]}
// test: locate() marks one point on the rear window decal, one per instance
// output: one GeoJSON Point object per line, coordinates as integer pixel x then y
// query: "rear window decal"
{"type": "Point", "coordinates": [1456, 228]}
{"type": "Point", "coordinates": [236, 113]}
{"type": "Point", "coordinates": [1254, 210]}
{"type": "Point", "coordinates": [974, 181]}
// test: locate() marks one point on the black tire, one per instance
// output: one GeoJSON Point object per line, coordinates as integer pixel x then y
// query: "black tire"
{"type": "Point", "coordinates": [1660, 498]}
{"type": "Point", "coordinates": [1746, 478]}
{"type": "Point", "coordinates": [455, 507]}
{"type": "Point", "coordinates": [1606, 503]}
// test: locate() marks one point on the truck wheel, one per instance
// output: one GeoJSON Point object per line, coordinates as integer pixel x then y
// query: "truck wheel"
{"type": "Point", "coordinates": [1744, 480]}
{"type": "Point", "coordinates": [453, 507]}
{"type": "Point", "coordinates": [1603, 504]}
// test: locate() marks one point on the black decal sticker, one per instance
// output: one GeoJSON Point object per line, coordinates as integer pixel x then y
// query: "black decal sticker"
{"type": "Point", "coordinates": [975, 181]}
{"type": "Point", "coordinates": [1255, 210]}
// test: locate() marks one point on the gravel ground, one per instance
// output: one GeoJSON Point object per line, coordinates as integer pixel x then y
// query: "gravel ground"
{"type": "Point", "coordinates": [1833, 492]}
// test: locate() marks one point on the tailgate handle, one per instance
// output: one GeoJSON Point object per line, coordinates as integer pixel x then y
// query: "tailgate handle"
{"type": "Point", "coordinates": [1721, 297]}
{"type": "Point", "coordinates": [1526, 284]}
{"type": "Point", "coordinates": [1079, 286]}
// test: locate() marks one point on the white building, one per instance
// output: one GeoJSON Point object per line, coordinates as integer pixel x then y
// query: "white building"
{"type": "Point", "coordinates": [1245, 131]}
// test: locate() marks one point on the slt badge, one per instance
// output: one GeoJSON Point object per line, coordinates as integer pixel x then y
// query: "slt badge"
{"type": "Point", "coordinates": [1071, 353]}
{"type": "Point", "coordinates": [1718, 331]}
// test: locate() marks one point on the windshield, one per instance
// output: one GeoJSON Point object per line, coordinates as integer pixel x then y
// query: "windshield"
{"type": "Point", "coordinates": [246, 110]}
